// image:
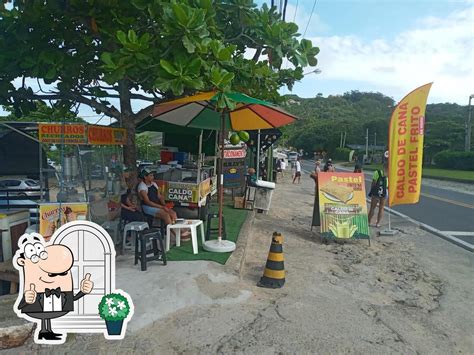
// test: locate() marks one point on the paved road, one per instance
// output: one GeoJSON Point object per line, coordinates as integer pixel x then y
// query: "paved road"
{"type": "Point", "coordinates": [445, 210]}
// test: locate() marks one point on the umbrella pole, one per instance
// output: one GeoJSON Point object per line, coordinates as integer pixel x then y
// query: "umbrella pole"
{"type": "Point", "coordinates": [221, 175]}
{"type": "Point", "coordinates": [219, 245]}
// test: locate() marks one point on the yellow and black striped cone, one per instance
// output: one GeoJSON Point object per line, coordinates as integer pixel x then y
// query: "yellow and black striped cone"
{"type": "Point", "coordinates": [274, 274]}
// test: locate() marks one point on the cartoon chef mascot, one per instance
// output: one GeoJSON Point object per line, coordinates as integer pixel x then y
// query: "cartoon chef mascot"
{"type": "Point", "coordinates": [46, 285]}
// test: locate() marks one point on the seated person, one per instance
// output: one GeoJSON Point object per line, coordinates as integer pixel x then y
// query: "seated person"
{"type": "Point", "coordinates": [129, 211]}
{"type": "Point", "coordinates": [252, 174]}
{"type": "Point", "coordinates": [153, 203]}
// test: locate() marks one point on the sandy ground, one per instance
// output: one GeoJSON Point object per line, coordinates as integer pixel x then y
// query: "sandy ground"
{"type": "Point", "coordinates": [408, 294]}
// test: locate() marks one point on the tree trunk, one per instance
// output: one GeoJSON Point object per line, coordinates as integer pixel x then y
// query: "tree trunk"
{"type": "Point", "coordinates": [129, 150]}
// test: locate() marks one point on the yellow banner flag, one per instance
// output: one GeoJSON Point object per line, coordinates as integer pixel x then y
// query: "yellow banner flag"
{"type": "Point", "coordinates": [406, 133]}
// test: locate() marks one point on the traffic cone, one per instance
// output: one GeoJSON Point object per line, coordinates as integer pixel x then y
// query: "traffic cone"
{"type": "Point", "coordinates": [274, 274]}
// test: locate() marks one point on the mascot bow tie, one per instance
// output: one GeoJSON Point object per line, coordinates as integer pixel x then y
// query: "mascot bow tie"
{"type": "Point", "coordinates": [55, 291]}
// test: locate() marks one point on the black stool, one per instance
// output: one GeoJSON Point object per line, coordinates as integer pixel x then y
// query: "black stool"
{"type": "Point", "coordinates": [209, 228]}
{"type": "Point", "coordinates": [143, 254]}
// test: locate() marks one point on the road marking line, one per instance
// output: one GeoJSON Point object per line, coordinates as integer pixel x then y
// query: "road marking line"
{"type": "Point", "coordinates": [463, 234]}
{"type": "Point", "coordinates": [448, 200]}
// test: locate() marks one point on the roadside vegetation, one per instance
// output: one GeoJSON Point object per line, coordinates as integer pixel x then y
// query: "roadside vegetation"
{"type": "Point", "coordinates": [324, 119]}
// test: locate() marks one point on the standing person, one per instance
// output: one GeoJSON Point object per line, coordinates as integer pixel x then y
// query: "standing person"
{"type": "Point", "coordinates": [283, 167]}
{"type": "Point", "coordinates": [153, 203]}
{"type": "Point", "coordinates": [357, 168]}
{"type": "Point", "coordinates": [278, 166]}
{"type": "Point", "coordinates": [297, 171]}
{"type": "Point", "coordinates": [317, 166]}
{"type": "Point", "coordinates": [378, 194]}
{"type": "Point", "coordinates": [327, 165]}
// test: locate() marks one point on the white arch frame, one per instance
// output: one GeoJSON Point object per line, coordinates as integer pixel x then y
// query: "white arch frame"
{"type": "Point", "coordinates": [73, 323]}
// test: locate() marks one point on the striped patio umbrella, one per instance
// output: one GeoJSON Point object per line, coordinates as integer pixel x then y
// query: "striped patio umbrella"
{"type": "Point", "coordinates": [220, 111]}
{"type": "Point", "coordinates": [200, 111]}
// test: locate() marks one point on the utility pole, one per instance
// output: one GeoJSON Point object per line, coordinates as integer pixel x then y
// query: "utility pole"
{"type": "Point", "coordinates": [340, 141]}
{"type": "Point", "coordinates": [467, 140]}
{"type": "Point", "coordinates": [367, 144]}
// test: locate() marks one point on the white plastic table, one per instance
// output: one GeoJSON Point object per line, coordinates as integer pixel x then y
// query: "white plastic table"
{"type": "Point", "coordinates": [191, 224]}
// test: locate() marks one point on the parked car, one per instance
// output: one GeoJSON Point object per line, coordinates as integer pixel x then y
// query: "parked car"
{"type": "Point", "coordinates": [28, 187]}
{"type": "Point", "coordinates": [292, 156]}
{"type": "Point", "coordinates": [143, 165]}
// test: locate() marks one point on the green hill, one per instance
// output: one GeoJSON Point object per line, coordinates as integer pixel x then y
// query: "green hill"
{"type": "Point", "coordinates": [323, 119]}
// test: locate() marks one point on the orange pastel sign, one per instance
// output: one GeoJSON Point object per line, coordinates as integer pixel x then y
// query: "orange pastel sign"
{"type": "Point", "coordinates": [101, 135]}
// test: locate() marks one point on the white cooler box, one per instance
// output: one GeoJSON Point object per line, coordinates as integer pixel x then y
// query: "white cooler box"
{"type": "Point", "coordinates": [263, 194]}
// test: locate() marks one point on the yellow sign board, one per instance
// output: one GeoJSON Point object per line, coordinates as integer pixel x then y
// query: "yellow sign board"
{"type": "Point", "coordinates": [54, 215]}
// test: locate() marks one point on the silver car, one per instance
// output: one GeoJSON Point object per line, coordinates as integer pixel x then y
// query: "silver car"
{"type": "Point", "coordinates": [28, 187]}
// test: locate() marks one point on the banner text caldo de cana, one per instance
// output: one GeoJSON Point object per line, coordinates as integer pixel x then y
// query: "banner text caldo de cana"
{"type": "Point", "coordinates": [406, 134]}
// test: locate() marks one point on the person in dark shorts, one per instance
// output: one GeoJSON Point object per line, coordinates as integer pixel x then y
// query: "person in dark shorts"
{"type": "Point", "coordinates": [297, 171]}
{"type": "Point", "coordinates": [129, 212]}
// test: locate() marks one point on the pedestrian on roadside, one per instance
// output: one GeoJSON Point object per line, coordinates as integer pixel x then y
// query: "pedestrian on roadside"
{"type": "Point", "coordinates": [327, 165]}
{"type": "Point", "coordinates": [297, 171]}
{"type": "Point", "coordinates": [317, 167]}
{"type": "Point", "coordinates": [283, 167]}
{"type": "Point", "coordinates": [378, 194]}
{"type": "Point", "coordinates": [358, 168]}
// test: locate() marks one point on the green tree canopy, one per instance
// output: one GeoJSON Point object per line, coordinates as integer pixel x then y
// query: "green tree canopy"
{"type": "Point", "coordinates": [106, 54]}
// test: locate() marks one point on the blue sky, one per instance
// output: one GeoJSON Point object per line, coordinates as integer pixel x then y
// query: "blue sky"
{"type": "Point", "coordinates": [389, 46]}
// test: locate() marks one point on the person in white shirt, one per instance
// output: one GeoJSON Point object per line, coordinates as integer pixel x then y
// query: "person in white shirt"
{"type": "Point", "coordinates": [297, 171]}
{"type": "Point", "coordinates": [283, 167]}
{"type": "Point", "coordinates": [153, 203]}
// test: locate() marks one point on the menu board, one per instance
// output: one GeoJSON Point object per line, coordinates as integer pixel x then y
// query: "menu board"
{"type": "Point", "coordinates": [343, 206]}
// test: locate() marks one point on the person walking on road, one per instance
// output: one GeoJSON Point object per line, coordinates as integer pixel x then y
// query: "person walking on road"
{"type": "Point", "coordinates": [317, 166]}
{"type": "Point", "coordinates": [378, 194]}
{"type": "Point", "coordinates": [283, 167]}
{"type": "Point", "coordinates": [297, 171]}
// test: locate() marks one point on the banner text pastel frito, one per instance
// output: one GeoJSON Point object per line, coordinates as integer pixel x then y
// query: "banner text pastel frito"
{"type": "Point", "coordinates": [409, 130]}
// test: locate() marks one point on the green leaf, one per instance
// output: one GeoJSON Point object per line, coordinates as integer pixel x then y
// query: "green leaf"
{"type": "Point", "coordinates": [312, 61]}
{"type": "Point", "coordinates": [188, 44]}
{"type": "Point", "coordinates": [180, 14]}
{"type": "Point", "coordinates": [168, 67]}
{"type": "Point", "coordinates": [193, 67]}
{"type": "Point", "coordinates": [51, 73]}
{"type": "Point", "coordinates": [227, 78]}
{"type": "Point", "coordinates": [132, 36]}
{"type": "Point", "coordinates": [107, 59]}
{"type": "Point", "coordinates": [122, 37]}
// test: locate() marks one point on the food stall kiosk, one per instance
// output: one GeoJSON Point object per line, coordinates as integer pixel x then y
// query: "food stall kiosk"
{"type": "Point", "coordinates": [186, 173]}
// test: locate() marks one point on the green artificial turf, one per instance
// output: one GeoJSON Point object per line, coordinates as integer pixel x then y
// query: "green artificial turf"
{"type": "Point", "coordinates": [234, 218]}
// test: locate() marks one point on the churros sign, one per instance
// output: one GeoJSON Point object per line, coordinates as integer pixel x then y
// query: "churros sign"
{"type": "Point", "coordinates": [406, 134]}
{"type": "Point", "coordinates": [59, 133]}
{"type": "Point", "coordinates": [81, 134]}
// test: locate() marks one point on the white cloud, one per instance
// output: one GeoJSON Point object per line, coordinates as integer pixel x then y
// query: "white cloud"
{"type": "Point", "coordinates": [439, 50]}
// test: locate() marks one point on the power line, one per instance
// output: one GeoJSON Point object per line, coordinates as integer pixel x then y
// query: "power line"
{"type": "Point", "coordinates": [309, 20]}
{"type": "Point", "coordinates": [296, 10]}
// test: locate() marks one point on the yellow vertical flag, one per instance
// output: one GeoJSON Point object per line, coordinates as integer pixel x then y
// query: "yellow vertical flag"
{"type": "Point", "coordinates": [405, 137]}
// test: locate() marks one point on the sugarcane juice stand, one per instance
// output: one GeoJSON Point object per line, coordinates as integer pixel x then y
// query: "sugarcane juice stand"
{"type": "Point", "coordinates": [186, 174]}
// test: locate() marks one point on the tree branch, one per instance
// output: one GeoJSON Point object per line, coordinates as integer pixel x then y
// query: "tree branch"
{"type": "Point", "coordinates": [109, 111]}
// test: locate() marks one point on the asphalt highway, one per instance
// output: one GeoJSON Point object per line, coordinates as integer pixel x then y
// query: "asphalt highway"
{"type": "Point", "coordinates": [445, 210]}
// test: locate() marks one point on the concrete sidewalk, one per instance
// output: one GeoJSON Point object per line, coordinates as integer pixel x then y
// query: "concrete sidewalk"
{"type": "Point", "coordinates": [412, 293]}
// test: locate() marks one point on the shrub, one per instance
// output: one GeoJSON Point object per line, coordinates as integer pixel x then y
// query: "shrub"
{"type": "Point", "coordinates": [341, 154]}
{"type": "Point", "coordinates": [455, 160]}
{"type": "Point", "coordinates": [113, 307]}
